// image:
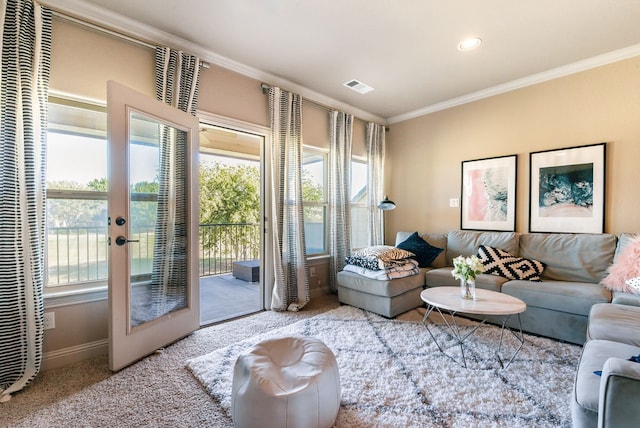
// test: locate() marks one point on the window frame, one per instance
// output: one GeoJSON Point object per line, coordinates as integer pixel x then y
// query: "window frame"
{"type": "Point", "coordinates": [99, 285]}
{"type": "Point", "coordinates": [363, 161]}
{"type": "Point", "coordinates": [324, 204]}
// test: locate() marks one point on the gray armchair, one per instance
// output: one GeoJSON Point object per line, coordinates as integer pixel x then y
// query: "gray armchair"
{"type": "Point", "coordinates": [619, 394]}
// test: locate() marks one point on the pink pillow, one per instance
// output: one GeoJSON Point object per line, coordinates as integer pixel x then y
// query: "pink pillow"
{"type": "Point", "coordinates": [626, 266]}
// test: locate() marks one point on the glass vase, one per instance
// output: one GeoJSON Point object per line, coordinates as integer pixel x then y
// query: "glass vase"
{"type": "Point", "coordinates": [468, 289]}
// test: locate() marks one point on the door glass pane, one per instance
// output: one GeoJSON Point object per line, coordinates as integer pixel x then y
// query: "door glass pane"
{"type": "Point", "coordinates": [158, 218]}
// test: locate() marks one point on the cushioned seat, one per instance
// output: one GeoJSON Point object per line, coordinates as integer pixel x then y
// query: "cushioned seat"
{"type": "Point", "coordinates": [286, 382]}
{"type": "Point", "coordinates": [442, 278]}
{"type": "Point", "coordinates": [387, 298]}
{"type": "Point", "coordinates": [619, 323]}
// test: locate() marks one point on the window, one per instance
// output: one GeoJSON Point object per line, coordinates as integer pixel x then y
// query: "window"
{"type": "Point", "coordinates": [359, 211]}
{"type": "Point", "coordinates": [76, 195]}
{"type": "Point", "coordinates": [314, 199]}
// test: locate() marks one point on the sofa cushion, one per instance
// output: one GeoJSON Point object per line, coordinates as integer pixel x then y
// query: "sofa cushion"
{"type": "Point", "coordinates": [570, 257]}
{"type": "Point", "coordinates": [620, 323]}
{"type": "Point", "coordinates": [625, 268]}
{"type": "Point", "coordinates": [498, 262]}
{"type": "Point", "coordinates": [563, 296]}
{"type": "Point", "coordinates": [438, 240]}
{"type": "Point", "coordinates": [442, 277]}
{"type": "Point", "coordinates": [623, 240]}
{"type": "Point", "coordinates": [425, 253]}
{"type": "Point", "coordinates": [594, 354]}
{"type": "Point", "coordinates": [389, 288]}
{"type": "Point", "coordinates": [466, 243]}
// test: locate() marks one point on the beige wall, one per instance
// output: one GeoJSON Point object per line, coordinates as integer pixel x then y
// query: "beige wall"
{"type": "Point", "coordinates": [424, 154]}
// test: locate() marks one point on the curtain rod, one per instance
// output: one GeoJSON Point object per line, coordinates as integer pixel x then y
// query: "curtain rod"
{"type": "Point", "coordinates": [265, 87]}
{"type": "Point", "coordinates": [114, 33]}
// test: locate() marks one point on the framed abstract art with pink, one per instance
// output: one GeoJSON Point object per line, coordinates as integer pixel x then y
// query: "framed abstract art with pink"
{"type": "Point", "coordinates": [488, 194]}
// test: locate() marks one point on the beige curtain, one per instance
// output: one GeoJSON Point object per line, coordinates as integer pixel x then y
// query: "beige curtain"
{"type": "Point", "coordinates": [291, 287]}
{"type": "Point", "coordinates": [339, 194]}
{"type": "Point", "coordinates": [375, 142]}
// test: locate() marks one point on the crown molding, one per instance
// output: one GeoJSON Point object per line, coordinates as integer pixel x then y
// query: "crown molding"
{"type": "Point", "coordinates": [149, 35]}
{"type": "Point", "coordinates": [534, 79]}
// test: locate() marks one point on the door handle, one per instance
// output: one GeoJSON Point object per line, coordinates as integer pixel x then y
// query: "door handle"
{"type": "Point", "coordinates": [121, 240]}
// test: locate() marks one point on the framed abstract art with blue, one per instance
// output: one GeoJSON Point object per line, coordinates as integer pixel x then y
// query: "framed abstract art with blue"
{"type": "Point", "coordinates": [567, 190]}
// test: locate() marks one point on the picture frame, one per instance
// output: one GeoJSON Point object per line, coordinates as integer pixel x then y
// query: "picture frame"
{"type": "Point", "coordinates": [567, 189]}
{"type": "Point", "coordinates": [488, 194]}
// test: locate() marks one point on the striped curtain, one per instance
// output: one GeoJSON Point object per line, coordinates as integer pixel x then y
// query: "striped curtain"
{"type": "Point", "coordinates": [177, 78]}
{"type": "Point", "coordinates": [374, 137]}
{"type": "Point", "coordinates": [25, 32]}
{"type": "Point", "coordinates": [291, 288]}
{"type": "Point", "coordinates": [339, 193]}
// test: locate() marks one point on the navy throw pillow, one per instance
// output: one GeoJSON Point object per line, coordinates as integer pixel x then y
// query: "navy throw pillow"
{"type": "Point", "coordinates": [425, 253]}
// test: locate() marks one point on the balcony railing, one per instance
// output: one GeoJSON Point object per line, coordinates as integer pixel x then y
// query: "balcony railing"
{"type": "Point", "coordinates": [79, 254]}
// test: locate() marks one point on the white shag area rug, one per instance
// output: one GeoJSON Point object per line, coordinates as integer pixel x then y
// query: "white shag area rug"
{"type": "Point", "coordinates": [393, 375]}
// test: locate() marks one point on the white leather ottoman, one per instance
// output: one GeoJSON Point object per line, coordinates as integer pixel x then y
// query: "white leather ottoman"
{"type": "Point", "coordinates": [286, 382]}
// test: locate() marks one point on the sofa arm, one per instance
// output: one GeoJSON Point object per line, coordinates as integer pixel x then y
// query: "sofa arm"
{"type": "Point", "coordinates": [622, 298]}
{"type": "Point", "coordinates": [619, 392]}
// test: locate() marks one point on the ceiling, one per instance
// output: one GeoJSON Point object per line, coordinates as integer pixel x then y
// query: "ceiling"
{"type": "Point", "coordinates": [406, 50]}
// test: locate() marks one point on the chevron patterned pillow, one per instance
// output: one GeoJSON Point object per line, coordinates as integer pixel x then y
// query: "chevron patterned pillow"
{"type": "Point", "coordinates": [501, 263]}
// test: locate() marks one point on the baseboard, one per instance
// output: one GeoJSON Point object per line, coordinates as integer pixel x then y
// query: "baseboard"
{"type": "Point", "coordinates": [73, 354]}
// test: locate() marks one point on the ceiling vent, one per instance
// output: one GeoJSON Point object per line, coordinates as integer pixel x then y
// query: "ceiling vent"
{"type": "Point", "coordinates": [358, 86]}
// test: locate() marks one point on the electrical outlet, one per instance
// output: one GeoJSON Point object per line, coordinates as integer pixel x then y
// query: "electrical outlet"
{"type": "Point", "coordinates": [312, 271]}
{"type": "Point", "coordinates": [454, 203]}
{"type": "Point", "coordinates": [49, 320]}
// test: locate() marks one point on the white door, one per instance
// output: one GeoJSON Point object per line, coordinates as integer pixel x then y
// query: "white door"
{"type": "Point", "coordinates": [153, 224]}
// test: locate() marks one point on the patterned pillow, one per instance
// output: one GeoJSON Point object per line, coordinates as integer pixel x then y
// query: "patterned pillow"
{"type": "Point", "coordinates": [501, 263]}
{"type": "Point", "coordinates": [384, 253]}
{"type": "Point", "coordinates": [634, 283]}
{"type": "Point", "coordinates": [425, 253]}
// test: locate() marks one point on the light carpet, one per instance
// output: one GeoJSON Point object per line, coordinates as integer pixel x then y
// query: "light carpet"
{"type": "Point", "coordinates": [393, 375]}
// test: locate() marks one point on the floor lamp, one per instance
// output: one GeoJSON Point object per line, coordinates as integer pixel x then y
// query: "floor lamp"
{"type": "Point", "coordinates": [385, 205]}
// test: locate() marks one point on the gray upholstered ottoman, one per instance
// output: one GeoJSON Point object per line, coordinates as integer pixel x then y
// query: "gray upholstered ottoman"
{"type": "Point", "coordinates": [387, 298]}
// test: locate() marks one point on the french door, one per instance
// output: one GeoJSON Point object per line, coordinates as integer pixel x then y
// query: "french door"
{"type": "Point", "coordinates": [153, 225]}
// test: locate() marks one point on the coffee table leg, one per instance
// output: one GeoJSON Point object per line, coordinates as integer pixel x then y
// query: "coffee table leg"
{"type": "Point", "coordinates": [519, 338]}
{"type": "Point", "coordinates": [454, 330]}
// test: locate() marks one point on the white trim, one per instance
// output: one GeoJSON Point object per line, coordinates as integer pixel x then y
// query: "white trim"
{"type": "Point", "coordinates": [534, 79]}
{"type": "Point", "coordinates": [77, 296]}
{"type": "Point", "coordinates": [266, 272]}
{"type": "Point", "coordinates": [73, 354]}
{"type": "Point", "coordinates": [78, 98]}
{"type": "Point", "coordinates": [147, 34]}
{"type": "Point", "coordinates": [240, 125]}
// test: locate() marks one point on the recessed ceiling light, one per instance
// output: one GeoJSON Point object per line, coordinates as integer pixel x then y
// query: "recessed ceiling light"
{"type": "Point", "coordinates": [469, 44]}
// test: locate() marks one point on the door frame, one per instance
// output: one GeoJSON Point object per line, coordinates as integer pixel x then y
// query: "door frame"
{"type": "Point", "coordinates": [266, 265]}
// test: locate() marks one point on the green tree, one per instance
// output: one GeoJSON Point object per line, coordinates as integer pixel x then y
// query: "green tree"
{"type": "Point", "coordinates": [229, 194]}
{"type": "Point", "coordinates": [74, 212]}
{"type": "Point", "coordinates": [98, 184]}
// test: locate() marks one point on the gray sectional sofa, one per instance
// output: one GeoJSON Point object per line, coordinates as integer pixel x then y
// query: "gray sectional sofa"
{"type": "Point", "coordinates": [568, 304]}
{"type": "Point", "coordinates": [557, 307]}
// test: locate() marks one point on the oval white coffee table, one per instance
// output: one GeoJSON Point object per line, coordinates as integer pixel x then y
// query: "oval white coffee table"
{"type": "Point", "coordinates": [486, 303]}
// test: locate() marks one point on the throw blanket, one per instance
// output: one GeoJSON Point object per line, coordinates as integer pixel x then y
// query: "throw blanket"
{"type": "Point", "coordinates": [374, 263]}
{"type": "Point", "coordinates": [408, 267]}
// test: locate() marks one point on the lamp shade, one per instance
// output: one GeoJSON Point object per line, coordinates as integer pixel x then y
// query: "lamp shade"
{"type": "Point", "coordinates": [386, 204]}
